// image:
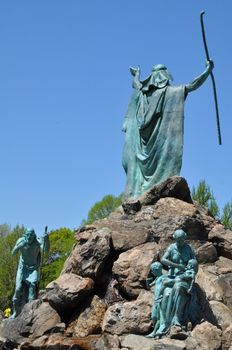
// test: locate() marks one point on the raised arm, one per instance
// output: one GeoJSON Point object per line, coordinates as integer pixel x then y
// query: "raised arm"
{"type": "Point", "coordinates": [198, 81]}
{"type": "Point", "coordinates": [19, 244]}
{"type": "Point", "coordinates": [136, 84]}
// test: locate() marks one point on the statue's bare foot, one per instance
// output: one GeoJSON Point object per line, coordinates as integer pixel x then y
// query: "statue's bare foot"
{"type": "Point", "coordinates": [151, 335]}
{"type": "Point", "coordinates": [176, 322]}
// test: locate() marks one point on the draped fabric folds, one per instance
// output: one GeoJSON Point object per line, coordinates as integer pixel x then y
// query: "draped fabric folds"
{"type": "Point", "coordinates": [153, 137]}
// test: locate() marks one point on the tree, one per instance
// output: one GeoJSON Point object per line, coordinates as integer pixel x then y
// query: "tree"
{"type": "Point", "coordinates": [226, 218]}
{"type": "Point", "coordinates": [103, 208]}
{"type": "Point", "coordinates": [4, 230]}
{"type": "Point", "coordinates": [8, 266]}
{"type": "Point", "coordinates": [204, 196]}
{"type": "Point", "coordinates": [61, 242]}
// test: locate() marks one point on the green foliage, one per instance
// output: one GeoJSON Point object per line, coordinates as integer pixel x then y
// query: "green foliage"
{"type": "Point", "coordinates": [226, 218]}
{"type": "Point", "coordinates": [204, 196]}
{"type": "Point", "coordinates": [4, 230]}
{"type": "Point", "coordinates": [8, 265]}
{"type": "Point", "coordinates": [103, 208]}
{"type": "Point", "coordinates": [61, 242]}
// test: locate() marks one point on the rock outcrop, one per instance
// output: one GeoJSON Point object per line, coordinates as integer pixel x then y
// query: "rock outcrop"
{"type": "Point", "coordinates": [101, 300]}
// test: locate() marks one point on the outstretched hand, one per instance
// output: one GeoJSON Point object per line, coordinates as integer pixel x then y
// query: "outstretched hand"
{"type": "Point", "coordinates": [210, 64]}
{"type": "Point", "coordinates": [135, 71]}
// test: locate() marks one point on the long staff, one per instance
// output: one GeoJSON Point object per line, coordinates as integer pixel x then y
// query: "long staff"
{"type": "Point", "coordinates": [212, 77]}
{"type": "Point", "coordinates": [42, 255]}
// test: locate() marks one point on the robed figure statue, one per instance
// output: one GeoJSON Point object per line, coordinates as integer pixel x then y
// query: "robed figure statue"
{"type": "Point", "coordinates": [153, 128]}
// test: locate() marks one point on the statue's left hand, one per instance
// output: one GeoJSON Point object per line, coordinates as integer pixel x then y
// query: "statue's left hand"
{"type": "Point", "coordinates": [210, 64]}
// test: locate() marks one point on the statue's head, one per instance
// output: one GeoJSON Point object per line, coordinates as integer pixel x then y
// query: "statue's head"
{"type": "Point", "coordinates": [192, 265]}
{"type": "Point", "coordinates": [30, 235]}
{"type": "Point", "coordinates": [156, 268]}
{"type": "Point", "coordinates": [159, 67]}
{"type": "Point", "coordinates": [180, 237]}
{"type": "Point", "coordinates": [161, 76]}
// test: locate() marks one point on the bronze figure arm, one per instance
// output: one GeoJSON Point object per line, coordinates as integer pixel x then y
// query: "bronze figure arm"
{"type": "Point", "coordinates": [198, 81]}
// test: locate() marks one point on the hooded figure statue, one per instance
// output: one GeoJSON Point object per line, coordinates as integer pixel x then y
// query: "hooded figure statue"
{"type": "Point", "coordinates": [154, 128]}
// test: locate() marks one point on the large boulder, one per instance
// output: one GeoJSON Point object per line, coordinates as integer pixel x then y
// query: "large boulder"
{"type": "Point", "coordinates": [132, 268]}
{"type": "Point", "coordinates": [89, 256]}
{"type": "Point", "coordinates": [129, 317]}
{"type": "Point", "coordinates": [205, 336]}
{"type": "Point", "coordinates": [58, 341]}
{"type": "Point", "coordinates": [222, 313]}
{"type": "Point", "coordinates": [174, 186]}
{"type": "Point", "coordinates": [138, 342]}
{"type": "Point", "coordinates": [216, 282]}
{"type": "Point", "coordinates": [227, 338]}
{"type": "Point", "coordinates": [106, 342]}
{"type": "Point", "coordinates": [36, 319]}
{"type": "Point", "coordinates": [171, 214]}
{"type": "Point", "coordinates": [222, 239]}
{"type": "Point", "coordinates": [205, 252]}
{"type": "Point", "coordinates": [68, 291]}
{"type": "Point", "coordinates": [127, 234]}
{"type": "Point", "coordinates": [89, 321]}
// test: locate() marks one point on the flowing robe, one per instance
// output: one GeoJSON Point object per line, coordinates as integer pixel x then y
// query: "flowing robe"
{"type": "Point", "coordinates": [154, 126]}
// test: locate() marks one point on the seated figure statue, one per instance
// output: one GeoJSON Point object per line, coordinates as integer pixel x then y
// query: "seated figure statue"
{"type": "Point", "coordinates": [175, 291]}
{"type": "Point", "coordinates": [27, 278]}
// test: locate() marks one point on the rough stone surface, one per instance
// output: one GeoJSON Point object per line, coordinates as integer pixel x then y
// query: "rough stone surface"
{"type": "Point", "coordinates": [223, 240]}
{"type": "Point", "coordinates": [227, 338]}
{"type": "Point", "coordinates": [222, 313]}
{"type": "Point", "coordinates": [171, 214]}
{"type": "Point", "coordinates": [174, 186]}
{"type": "Point", "coordinates": [204, 336]}
{"type": "Point", "coordinates": [223, 265]}
{"type": "Point", "coordinates": [128, 232]}
{"type": "Point", "coordinates": [129, 317]}
{"type": "Point", "coordinates": [107, 342]}
{"type": "Point", "coordinates": [61, 342]}
{"type": "Point", "coordinates": [36, 319]}
{"type": "Point", "coordinates": [217, 285]}
{"type": "Point", "coordinates": [132, 267]}
{"type": "Point", "coordinates": [131, 206]}
{"type": "Point", "coordinates": [108, 268]}
{"type": "Point", "coordinates": [112, 294]}
{"type": "Point", "coordinates": [6, 344]}
{"type": "Point", "coordinates": [90, 254]}
{"type": "Point", "coordinates": [89, 321]}
{"type": "Point", "coordinates": [138, 342]}
{"type": "Point", "coordinates": [68, 291]}
{"type": "Point", "coordinates": [206, 253]}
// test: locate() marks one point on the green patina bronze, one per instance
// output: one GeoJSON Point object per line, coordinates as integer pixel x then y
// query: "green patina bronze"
{"type": "Point", "coordinates": [27, 278]}
{"type": "Point", "coordinates": [154, 128]}
{"type": "Point", "coordinates": [174, 292]}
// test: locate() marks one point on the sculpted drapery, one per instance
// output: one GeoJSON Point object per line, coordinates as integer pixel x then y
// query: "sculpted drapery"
{"type": "Point", "coordinates": [154, 129]}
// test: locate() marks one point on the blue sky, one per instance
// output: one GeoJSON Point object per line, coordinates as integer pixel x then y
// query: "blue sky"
{"type": "Point", "coordinates": [64, 90]}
